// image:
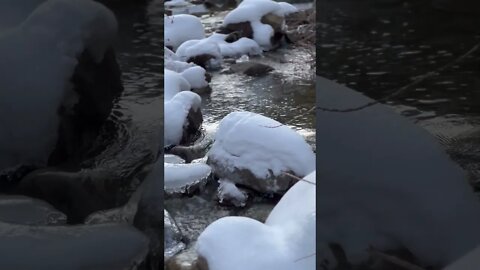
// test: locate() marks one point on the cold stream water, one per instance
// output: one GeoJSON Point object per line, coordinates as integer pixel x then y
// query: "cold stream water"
{"type": "Point", "coordinates": [287, 95]}
{"type": "Point", "coordinates": [377, 48]}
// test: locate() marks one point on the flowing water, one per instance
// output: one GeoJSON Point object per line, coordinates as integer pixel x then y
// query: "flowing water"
{"type": "Point", "coordinates": [378, 48]}
{"type": "Point", "coordinates": [287, 95]}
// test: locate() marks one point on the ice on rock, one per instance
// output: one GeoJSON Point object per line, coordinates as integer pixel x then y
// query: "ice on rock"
{"type": "Point", "coordinates": [285, 242]}
{"type": "Point", "coordinates": [181, 28]}
{"type": "Point", "coordinates": [39, 56]}
{"type": "Point", "coordinates": [388, 184]}
{"type": "Point", "coordinates": [179, 177]}
{"type": "Point", "coordinates": [263, 147]}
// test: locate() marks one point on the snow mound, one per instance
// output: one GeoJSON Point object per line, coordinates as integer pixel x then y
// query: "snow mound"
{"type": "Point", "coordinates": [285, 242]}
{"type": "Point", "coordinates": [262, 145]}
{"type": "Point", "coordinates": [181, 28]}
{"type": "Point", "coordinates": [196, 76]}
{"type": "Point", "coordinates": [174, 83]}
{"type": "Point", "coordinates": [38, 59]}
{"type": "Point", "coordinates": [199, 47]}
{"type": "Point", "coordinates": [393, 181]}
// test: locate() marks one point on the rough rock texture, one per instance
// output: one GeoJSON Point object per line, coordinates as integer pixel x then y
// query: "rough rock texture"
{"type": "Point", "coordinates": [191, 131]}
{"type": "Point", "coordinates": [96, 85]}
{"type": "Point", "coordinates": [251, 68]}
{"type": "Point", "coordinates": [273, 184]}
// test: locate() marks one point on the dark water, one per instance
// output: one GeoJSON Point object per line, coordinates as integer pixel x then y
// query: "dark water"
{"type": "Point", "coordinates": [378, 48]}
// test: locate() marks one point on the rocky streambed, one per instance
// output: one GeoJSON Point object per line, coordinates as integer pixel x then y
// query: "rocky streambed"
{"type": "Point", "coordinates": [278, 84]}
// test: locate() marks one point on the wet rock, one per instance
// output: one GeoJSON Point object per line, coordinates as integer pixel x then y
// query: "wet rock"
{"type": "Point", "coordinates": [106, 247]}
{"type": "Point", "coordinates": [186, 260]}
{"type": "Point", "coordinates": [191, 130]}
{"type": "Point", "coordinates": [197, 150]}
{"type": "Point", "coordinates": [220, 5]}
{"type": "Point", "coordinates": [269, 184]}
{"type": "Point", "coordinates": [251, 68]}
{"type": "Point", "coordinates": [96, 86]}
{"type": "Point", "coordinates": [149, 220]}
{"type": "Point", "coordinates": [173, 237]}
{"type": "Point", "coordinates": [244, 29]}
{"type": "Point", "coordinates": [201, 60]}
{"type": "Point", "coordinates": [29, 211]}
{"type": "Point", "coordinates": [77, 194]}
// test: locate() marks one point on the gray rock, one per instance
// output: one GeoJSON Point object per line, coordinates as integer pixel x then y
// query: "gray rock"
{"type": "Point", "coordinates": [251, 68]}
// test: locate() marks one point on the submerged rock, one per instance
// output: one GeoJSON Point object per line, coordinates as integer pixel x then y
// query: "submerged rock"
{"type": "Point", "coordinates": [228, 193]}
{"type": "Point", "coordinates": [28, 211]}
{"type": "Point", "coordinates": [251, 68]}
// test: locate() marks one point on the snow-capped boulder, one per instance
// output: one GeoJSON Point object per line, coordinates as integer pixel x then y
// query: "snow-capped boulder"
{"type": "Point", "coordinates": [261, 20]}
{"type": "Point", "coordinates": [388, 184]}
{"type": "Point", "coordinates": [181, 28]}
{"type": "Point", "coordinates": [58, 46]}
{"type": "Point", "coordinates": [286, 241]}
{"type": "Point", "coordinates": [183, 118]}
{"type": "Point", "coordinates": [256, 151]}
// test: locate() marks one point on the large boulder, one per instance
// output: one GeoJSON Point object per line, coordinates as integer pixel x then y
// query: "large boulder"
{"type": "Point", "coordinates": [259, 152]}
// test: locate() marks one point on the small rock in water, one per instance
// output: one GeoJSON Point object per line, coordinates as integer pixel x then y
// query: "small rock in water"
{"type": "Point", "coordinates": [251, 68]}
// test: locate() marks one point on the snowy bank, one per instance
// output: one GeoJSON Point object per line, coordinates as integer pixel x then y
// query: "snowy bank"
{"type": "Point", "coordinates": [181, 28]}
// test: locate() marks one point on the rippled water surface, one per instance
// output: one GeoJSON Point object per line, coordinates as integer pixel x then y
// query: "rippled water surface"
{"type": "Point", "coordinates": [378, 48]}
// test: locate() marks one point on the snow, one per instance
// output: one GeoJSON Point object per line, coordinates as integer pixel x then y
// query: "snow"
{"type": "Point", "coordinates": [284, 242]}
{"type": "Point", "coordinates": [392, 180]}
{"type": "Point", "coordinates": [174, 83]}
{"type": "Point", "coordinates": [176, 3]}
{"type": "Point", "coordinates": [198, 47]}
{"type": "Point", "coordinates": [195, 76]}
{"type": "Point", "coordinates": [262, 145]}
{"type": "Point", "coordinates": [38, 59]}
{"type": "Point", "coordinates": [252, 11]}
{"type": "Point", "coordinates": [181, 28]}
{"type": "Point", "coordinates": [178, 176]}
{"type": "Point", "coordinates": [176, 112]}
{"type": "Point", "coordinates": [228, 191]}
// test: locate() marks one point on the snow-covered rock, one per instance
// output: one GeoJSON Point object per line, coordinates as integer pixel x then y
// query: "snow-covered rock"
{"type": "Point", "coordinates": [229, 193]}
{"type": "Point", "coordinates": [183, 118]}
{"type": "Point", "coordinates": [39, 57]}
{"type": "Point", "coordinates": [262, 20]}
{"type": "Point", "coordinates": [255, 151]}
{"type": "Point", "coordinates": [285, 242]}
{"type": "Point", "coordinates": [388, 184]}
{"type": "Point", "coordinates": [216, 47]}
{"type": "Point", "coordinates": [181, 28]}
